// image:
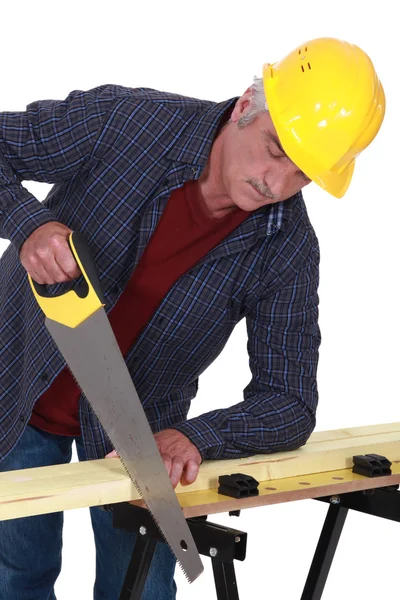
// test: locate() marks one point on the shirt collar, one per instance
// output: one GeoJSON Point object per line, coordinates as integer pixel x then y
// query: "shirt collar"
{"type": "Point", "coordinates": [193, 147]}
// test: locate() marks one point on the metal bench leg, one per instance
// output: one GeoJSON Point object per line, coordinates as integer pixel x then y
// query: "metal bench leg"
{"type": "Point", "coordinates": [138, 569]}
{"type": "Point", "coordinates": [324, 552]}
{"type": "Point", "coordinates": [222, 544]}
{"type": "Point", "coordinates": [225, 580]}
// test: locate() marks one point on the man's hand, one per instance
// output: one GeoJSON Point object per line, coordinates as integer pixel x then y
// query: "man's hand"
{"type": "Point", "coordinates": [46, 254]}
{"type": "Point", "coordinates": [181, 458]}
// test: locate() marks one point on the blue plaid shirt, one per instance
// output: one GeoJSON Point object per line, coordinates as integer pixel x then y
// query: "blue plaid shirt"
{"type": "Point", "coordinates": [114, 155]}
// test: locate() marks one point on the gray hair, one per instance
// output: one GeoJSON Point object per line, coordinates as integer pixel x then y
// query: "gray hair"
{"type": "Point", "coordinates": [257, 103]}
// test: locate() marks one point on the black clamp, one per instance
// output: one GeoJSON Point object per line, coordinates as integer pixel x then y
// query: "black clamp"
{"type": "Point", "coordinates": [237, 485]}
{"type": "Point", "coordinates": [371, 465]}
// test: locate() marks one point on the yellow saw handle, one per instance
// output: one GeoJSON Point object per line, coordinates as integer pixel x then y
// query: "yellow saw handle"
{"type": "Point", "coordinates": [75, 306]}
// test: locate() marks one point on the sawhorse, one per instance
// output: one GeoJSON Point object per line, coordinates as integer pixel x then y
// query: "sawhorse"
{"type": "Point", "coordinates": [378, 502]}
{"type": "Point", "coordinates": [224, 545]}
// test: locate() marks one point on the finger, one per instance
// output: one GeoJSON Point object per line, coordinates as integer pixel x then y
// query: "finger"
{"type": "Point", "coordinates": [190, 472]}
{"type": "Point", "coordinates": [167, 462]}
{"type": "Point", "coordinates": [55, 272]}
{"type": "Point", "coordinates": [41, 275]}
{"type": "Point", "coordinates": [176, 470]}
{"type": "Point", "coordinates": [45, 268]}
{"type": "Point", "coordinates": [36, 276]}
{"type": "Point", "coordinates": [112, 454]}
{"type": "Point", "coordinates": [60, 262]}
{"type": "Point", "coordinates": [45, 258]}
{"type": "Point", "coordinates": [66, 262]}
{"type": "Point", "coordinates": [35, 268]}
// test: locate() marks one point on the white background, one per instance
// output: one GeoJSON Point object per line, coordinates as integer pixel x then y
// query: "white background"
{"type": "Point", "coordinates": [212, 49]}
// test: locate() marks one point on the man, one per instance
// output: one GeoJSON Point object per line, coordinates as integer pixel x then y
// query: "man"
{"type": "Point", "coordinates": [194, 215]}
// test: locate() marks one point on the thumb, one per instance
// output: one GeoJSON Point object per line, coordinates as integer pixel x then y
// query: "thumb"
{"type": "Point", "coordinates": [112, 454]}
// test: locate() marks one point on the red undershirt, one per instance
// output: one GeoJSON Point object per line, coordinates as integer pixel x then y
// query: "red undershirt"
{"type": "Point", "coordinates": [184, 234]}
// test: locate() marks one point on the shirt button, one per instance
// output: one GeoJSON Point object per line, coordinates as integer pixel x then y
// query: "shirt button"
{"type": "Point", "coordinates": [166, 182]}
{"type": "Point", "coordinates": [22, 418]}
{"type": "Point", "coordinates": [44, 377]}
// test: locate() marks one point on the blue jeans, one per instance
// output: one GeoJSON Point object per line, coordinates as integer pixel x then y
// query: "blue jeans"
{"type": "Point", "coordinates": [30, 547]}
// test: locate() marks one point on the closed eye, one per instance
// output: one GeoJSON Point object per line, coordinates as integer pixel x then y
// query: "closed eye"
{"type": "Point", "coordinates": [273, 146]}
{"type": "Point", "coordinates": [275, 150]}
{"type": "Point", "coordinates": [274, 153]}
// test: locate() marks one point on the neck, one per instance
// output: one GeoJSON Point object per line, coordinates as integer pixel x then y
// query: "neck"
{"type": "Point", "coordinates": [216, 199]}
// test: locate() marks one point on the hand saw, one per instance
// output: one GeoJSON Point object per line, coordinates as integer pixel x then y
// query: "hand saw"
{"type": "Point", "coordinates": [80, 327]}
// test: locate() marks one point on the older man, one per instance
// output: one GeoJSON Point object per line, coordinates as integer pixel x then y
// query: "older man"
{"type": "Point", "coordinates": [194, 214]}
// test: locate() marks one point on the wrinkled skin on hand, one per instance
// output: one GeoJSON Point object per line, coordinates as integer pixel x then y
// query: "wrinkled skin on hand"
{"type": "Point", "coordinates": [181, 458]}
{"type": "Point", "coordinates": [46, 255]}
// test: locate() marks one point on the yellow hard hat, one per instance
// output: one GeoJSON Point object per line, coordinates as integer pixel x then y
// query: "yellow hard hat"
{"type": "Point", "coordinates": [327, 104]}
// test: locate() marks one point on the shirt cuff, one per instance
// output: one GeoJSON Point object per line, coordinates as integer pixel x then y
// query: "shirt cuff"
{"type": "Point", "coordinates": [200, 432]}
{"type": "Point", "coordinates": [25, 217]}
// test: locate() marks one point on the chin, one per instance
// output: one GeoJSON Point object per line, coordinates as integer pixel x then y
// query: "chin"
{"type": "Point", "coordinates": [244, 205]}
{"type": "Point", "coordinates": [250, 204]}
{"type": "Point", "coordinates": [242, 200]}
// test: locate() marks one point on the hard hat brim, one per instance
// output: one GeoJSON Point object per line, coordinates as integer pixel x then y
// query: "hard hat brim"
{"type": "Point", "coordinates": [335, 183]}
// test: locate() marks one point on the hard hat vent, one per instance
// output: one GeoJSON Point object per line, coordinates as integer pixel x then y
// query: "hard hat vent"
{"type": "Point", "coordinates": [302, 55]}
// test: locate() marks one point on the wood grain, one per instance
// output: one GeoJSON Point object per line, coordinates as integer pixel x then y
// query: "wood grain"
{"type": "Point", "coordinates": [93, 483]}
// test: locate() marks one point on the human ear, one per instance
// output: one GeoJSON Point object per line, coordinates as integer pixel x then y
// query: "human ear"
{"type": "Point", "coordinates": [241, 105]}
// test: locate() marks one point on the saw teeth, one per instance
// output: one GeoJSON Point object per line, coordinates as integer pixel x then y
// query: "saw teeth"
{"type": "Point", "coordinates": [135, 484]}
{"type": "Point", "coordinates": [157, 525]}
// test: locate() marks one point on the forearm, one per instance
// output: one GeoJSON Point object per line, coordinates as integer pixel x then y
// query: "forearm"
{"type": "Point", "coordinates": [258, 425]}
{"type": "Point", "coordinates": [20, 212]}
{"type": "Point", "coordinates": [49, 142]}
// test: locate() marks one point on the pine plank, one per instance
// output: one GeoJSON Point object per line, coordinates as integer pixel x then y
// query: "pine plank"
{"type": "Point", "coordinates": [93, 483]}
{"type": "Point", "coordinates": [315, 485]}
{"type": "Point", "coordinates": [353, 432]}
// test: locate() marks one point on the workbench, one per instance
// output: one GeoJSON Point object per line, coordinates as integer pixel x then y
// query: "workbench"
{"type": "Point", "coordinates": [322, 469]}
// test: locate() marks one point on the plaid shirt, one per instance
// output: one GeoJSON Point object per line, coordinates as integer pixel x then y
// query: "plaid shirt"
{"type": "Point", "coordinates": [114, 154]}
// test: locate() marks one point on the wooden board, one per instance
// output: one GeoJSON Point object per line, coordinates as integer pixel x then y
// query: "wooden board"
{"type": "Point", "coordinates": [93, 483]}
{"type": "Point", "coordinates": [329, 483]}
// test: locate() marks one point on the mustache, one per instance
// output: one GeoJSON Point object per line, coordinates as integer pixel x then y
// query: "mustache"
{"type": "Point", "coordinates": [263, 189]}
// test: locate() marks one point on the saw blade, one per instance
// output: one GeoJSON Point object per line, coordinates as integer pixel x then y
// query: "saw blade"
{"type": "Point", "coordinates": [95, 360]}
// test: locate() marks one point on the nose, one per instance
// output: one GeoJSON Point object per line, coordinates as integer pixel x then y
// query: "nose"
{"type": "Point", "coordinates": [279, 178]}
{"type": "Point", "coordinates": [276, 184]}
